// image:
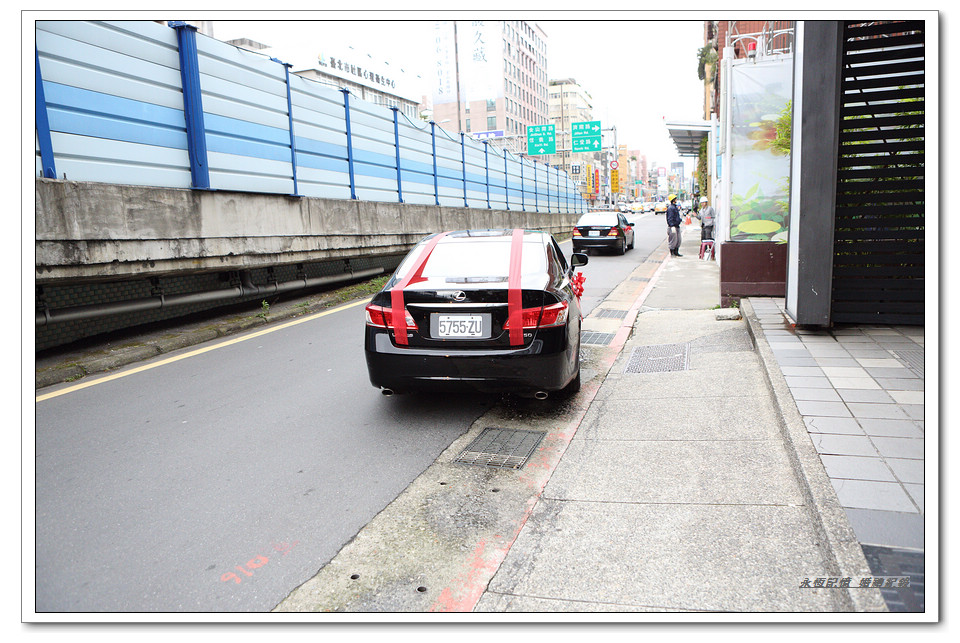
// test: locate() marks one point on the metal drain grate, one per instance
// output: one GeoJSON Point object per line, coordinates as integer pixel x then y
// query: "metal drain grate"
{"type": "Point", "coordinates": [501, 448]}
{"type": "Point", "coordinates": [913, 359]}
{"type": "Point", "coordinates": [659, 358]}
{"type": "Point", "coordinates": [592, 337]}
{"type": "Point", "coordinates": [891, 561]}
{"type": "Point", "coordinates": [605, 313]}
{"type": "Point", "coordinates": [639, 279]}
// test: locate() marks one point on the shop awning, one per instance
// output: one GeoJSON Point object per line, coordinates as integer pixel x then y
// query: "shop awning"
{"type": "Point", "coordinates": [687, 135]}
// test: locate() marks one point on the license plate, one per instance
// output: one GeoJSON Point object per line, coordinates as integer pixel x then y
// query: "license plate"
{"type": "Point", "coordinates": [593, 233]}
{"type": "Point", "coordinates": [460, 326]}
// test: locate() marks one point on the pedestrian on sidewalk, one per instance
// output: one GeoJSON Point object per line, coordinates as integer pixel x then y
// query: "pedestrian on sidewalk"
{"type": "Point", "coordinates": [707, 219]}
{"type": "Point", "coordinates": [673, 226]}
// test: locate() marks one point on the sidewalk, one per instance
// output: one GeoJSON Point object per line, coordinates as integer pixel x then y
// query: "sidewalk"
{"type": "Point", "coordinates": [724, 462]}
{"type": "Point", "coordinates": [682, 489]}
{"type": "Point", "coordinates": [859, 393]}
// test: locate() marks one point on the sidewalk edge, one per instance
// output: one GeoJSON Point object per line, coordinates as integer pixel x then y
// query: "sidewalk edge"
{"type": "Point", "coordinates": [841, 546]}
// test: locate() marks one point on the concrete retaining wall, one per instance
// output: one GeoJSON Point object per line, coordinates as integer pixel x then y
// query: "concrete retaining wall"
{"type": "Point", "coordinates": [101, 231]}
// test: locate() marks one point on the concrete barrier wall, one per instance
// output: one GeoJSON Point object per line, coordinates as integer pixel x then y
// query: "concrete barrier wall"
{"type": "Point", "coordinates": [100, 231]}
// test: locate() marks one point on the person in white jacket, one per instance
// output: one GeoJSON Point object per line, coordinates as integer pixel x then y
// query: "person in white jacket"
{"type": "Point", "coordinates": [707, 219]}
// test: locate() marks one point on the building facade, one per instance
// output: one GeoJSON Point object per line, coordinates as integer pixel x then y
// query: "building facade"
{"type": "Point", "coordinates": [569, 103]}
{"type": "Point", "coordinates": [368, 79]}
{"type": "Point", "coordinates": [490, 78]}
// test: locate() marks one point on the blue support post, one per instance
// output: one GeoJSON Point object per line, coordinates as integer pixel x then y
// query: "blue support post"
{"type": "Point", "coordinates": [192, 104]}
{"type": "Point", "coordinates": [506, 178]}
{"type": "Point", "coordinates": [346, 112]}
{"type": "Point", "coordinates": [396, 142]}
{"type": "Point", "coordinates": [463, 164]}
{"type": "Point", "coordinates": [293, 139]}
{"type": "Point", "coordinates": [433, 144]}
{"type": "Point", "coordinates": [486, 163]}
{"type": "Point", "coordinates": [523, 205]}
{"type": "Point", "coordinates": [47, 163]}
{"type": "Point", "coordinates": [548, 187]}
{"type": "Point", "coordinates": [536, 187]}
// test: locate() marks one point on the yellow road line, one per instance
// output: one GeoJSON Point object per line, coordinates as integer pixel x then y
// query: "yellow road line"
{"type": "Point", "coordinates": [199, 351]}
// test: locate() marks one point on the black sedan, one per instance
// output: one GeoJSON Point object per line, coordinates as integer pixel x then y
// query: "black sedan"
{"type": "Point", "coordinates": [603, 230]}
{"type": "Point", "coordinates": [487, 310]}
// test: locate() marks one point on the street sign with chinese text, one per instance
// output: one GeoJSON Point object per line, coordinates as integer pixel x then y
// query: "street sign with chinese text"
{"type": "Point", "coordinates": [614, 181]}
{"type": "Point", "coordinates": [586, 136]}
{"type": "Point", "coordinates": [541, 139]}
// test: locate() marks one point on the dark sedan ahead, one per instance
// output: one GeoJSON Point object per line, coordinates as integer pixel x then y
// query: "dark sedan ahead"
{"type": "Point", "coordinates": [488, 310]}
{"type": "Point", "coordinates": [603, 230]}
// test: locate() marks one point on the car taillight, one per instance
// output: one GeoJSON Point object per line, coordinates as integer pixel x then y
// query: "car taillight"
{"type": "Point", "coordinates": [576, 232]}
{"type": "Point", "coordinates": [382, 317]}
{"type": "Point", "coordinates": [613, 232]}
{"type": "Point", "coordinates": [555, 315]}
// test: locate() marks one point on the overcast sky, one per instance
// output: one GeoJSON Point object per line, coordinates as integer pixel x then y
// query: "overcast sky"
{"type": "Point", "coordinates": [640, 72]}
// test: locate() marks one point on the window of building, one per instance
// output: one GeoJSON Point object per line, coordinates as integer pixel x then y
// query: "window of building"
{"type": "Point", "coordinates": [491, 104]}
{"type": "Point", "coordinates": [491, 122]}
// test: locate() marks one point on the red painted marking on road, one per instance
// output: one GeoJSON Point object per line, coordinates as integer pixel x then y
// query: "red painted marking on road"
{"type": "Point", "coordinates": [257, 562]}
{"type": "Point", "coordinates": [465, 591]}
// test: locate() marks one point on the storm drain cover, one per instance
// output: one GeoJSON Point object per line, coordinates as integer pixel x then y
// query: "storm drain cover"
{"type": "Point", "coordinates": [913, 359]}
{"type": "Point", "coordinates": [606, 313]}
{"type": "Point", "coordinates": [501, 448]}
{"type": "Point", "coordinates": [659, 358]}
{"type": "Point", "coordinates": [591, 337]}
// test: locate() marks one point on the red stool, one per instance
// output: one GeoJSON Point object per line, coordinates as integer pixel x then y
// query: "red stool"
{"type": "Point", "coordinates": [706, 247]}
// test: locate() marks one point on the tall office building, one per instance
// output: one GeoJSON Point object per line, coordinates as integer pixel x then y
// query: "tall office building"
{"type": "Point", "coordinates": [569, 103]}
{"type": "Point", "coordinates": [490, 78]}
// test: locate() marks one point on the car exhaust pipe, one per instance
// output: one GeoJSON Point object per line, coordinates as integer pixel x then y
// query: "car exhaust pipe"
{"type": "Point", "coordinates": [387, 392]}
{"type": "Point", "coordinates": [541, 395]}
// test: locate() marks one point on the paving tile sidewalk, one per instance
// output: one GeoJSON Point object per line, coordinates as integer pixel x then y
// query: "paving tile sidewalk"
{"type": "Point", "coordinates": [860, 393]}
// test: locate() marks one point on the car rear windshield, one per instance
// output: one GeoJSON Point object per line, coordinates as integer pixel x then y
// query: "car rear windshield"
{"type": "Point", "coordinates": [477, 260]}
{"type": "Point", "coordinates": [598, 218]}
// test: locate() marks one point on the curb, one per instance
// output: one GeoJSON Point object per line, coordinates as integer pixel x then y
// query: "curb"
{"type": "Point", "coordinates": [842, 550]}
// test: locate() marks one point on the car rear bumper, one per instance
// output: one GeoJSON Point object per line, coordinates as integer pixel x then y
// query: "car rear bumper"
{"type": "Point", "coordinates": [609, 243]}
{"type": "Point", "coordinates": [520, 370]}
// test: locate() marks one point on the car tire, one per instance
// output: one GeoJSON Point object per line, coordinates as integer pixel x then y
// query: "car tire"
{"type": "Point", "coordinates": [623, 246]}
{"type": "Point", "coordinates": [573, 387]}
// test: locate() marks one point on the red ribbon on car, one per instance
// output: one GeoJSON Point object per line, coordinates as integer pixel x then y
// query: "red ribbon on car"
{"type": "Point", "coordinates": [514, 292]}
{"type": "Point", "coordinates": [398, 310]}
{"type": "Point", "coordinates": [577, 282]}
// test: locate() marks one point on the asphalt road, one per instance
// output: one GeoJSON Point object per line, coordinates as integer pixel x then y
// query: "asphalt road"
{"type": "Point", "coordinates": [222, 481]}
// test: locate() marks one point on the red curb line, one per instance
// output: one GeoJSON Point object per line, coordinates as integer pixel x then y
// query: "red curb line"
{"type": "Point", "coordinates": [467, 589]}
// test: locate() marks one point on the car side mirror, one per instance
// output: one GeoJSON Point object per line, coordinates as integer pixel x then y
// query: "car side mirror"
{"type": "Point", "coordinates": [578, 259]}
{"type": "Point", "coordinates": [631, 224]}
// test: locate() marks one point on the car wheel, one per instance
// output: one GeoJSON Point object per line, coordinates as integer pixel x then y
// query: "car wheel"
{"type": "Point", "coordinates": [623, 246]}
{"type": "Point", "coordinates": [573, 387]}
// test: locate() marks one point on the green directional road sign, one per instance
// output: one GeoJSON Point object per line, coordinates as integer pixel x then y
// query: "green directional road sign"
{"type": "Point", "coordinates": [541, 139]}
{"type": "Point", "coordinates": [586, 136]}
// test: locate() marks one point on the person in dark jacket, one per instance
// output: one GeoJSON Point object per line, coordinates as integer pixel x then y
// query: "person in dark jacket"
{"type": "Point", "coordinates": [673, 226]}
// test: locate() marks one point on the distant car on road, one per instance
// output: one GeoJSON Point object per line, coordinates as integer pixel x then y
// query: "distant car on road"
{"type": "Point", "coordinates": [486, 310]}
{"type": "Point", "coordinates": [660, 207]}
{"type": "Point", "coordinates": [603, 230]}
{"type": "Point", "coordinates": [648, 206]}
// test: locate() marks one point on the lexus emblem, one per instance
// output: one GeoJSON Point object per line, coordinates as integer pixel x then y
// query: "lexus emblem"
{"type": "Point", "coordinates": [459, 295]}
